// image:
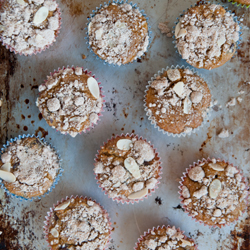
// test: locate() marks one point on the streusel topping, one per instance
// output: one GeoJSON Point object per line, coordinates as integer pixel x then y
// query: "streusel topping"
{"type": "Point", "coordinates": [29, 25]}
{"type": "Point", "coordinates": [70, 101]}
{"type": "Point", "coordinates": [206, 34]}
{"type": "Point", "coordinates": [118, 33]}
{"type": "Point", "coordinates": [178, 100]}
{"type": "Point", "coordinates": [78, 224]}
{"type": "Point", "coordinates": [33, 164]}
{"type": "Point", "coordinates": [214, 192]}
{"type": "Point", "coordinates": [165, 238]}
{"type": "Point", "coordinates": [127, 168]}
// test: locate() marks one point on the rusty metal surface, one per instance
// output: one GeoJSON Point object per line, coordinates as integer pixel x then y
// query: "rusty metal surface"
{"type": "Point", "coordinates": [21, 223]}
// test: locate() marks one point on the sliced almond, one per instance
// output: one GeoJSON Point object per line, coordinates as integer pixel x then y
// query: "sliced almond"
{"type": "Point", "coordinates": [179, 88]}
{"type": "Point", "coordinates": [62, 206]}
{"type": "Point", "coordinates": [6, 167]}
{"type": "Point", "coordinates": [40, 15]}
{"type": "Point", "coordinates": [90, 27]}
{"type": "Point", "coordinates": [187, 106]}
{"type": "Point", "coordinates": [7, 176]}
{"type": "Point", "coordinates": [216, 167]}
{"type": "Point", "coordinates": [139, 194]}
{"type": "Point", "coordinates": [181, 33]}
{"type": "Point", "coordinates": [21, 2]}
{"type": "Point", "coordinates": [54, 232]}
{"type": "Point", "coordinates": [214, 188]}
{"type": "Point", "coordinates": [93, 87]}
{"type": "Point", "coordinates": [124, 144]}
{"type": "Point", "coordinates": [177, 29]}
{"type": "Point", "coordinates": [131, 165]}
{"type": "Point", "coordinates": [221, 41]}
{"type": "Point", "coordinates": [98, 34]}
{"type": "Point", "coordinates": [186, 243]}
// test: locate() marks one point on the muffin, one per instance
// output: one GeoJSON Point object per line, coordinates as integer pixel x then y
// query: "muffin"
{"type": "Point", "coordinates": [207, 36]}
{"type": "Point", "coordinates": [70, 100]}
{"type": "Point", "coordinates": [161, 238]}
{"type": "Point", "coordinates": [118, 33]}
{"type": "Point", "coordinates": [214, 192]}
{"type": "Point", "coordinates": [28, 27]}
{"type": "Point", "coordinates": [177, 100]}
{"type": "Point", "coordinates": [127, 168]}
{"type": "Point", "coordinates": [77, 223]}
{"type": "Point", "coordinates": [29, 167]}
{"type": "Point", "coordinates": [241, 2]}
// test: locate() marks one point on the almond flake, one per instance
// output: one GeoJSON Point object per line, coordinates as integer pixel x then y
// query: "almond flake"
{"type": "Point", "coordinates": [179, 88]}
{"type": "Point", "coordinates": [177, 29]}
{"type": "Point", "coordinates": [40, 15]}
{"type": "Point", "coordinates": [98, 34]}
{"type": "Point", "coordinates": [214, 188]}
{"type": "Point", "coordinates": [124, 144]}
{"type": "Point", "coordinates": [62, 206]}
{"type": "Point", "coordinates": [54, 232]}
{"type": "Point", "coordinates": [216, 167]}
{"type": "Point", "coordinates": [139, 194]}
{"type": "Point", "coordinates": [186, 243]}
{"type": "Point", "coordinates": [187, 106]}
{"type": "Point", "coordinates": [6, 167]}
{"type": "Point", "coordinates": [7, 176]}
{"type": "Point", "coordinates": [21, 2]}
{"type": "Point", "coordinates": [221, 41]}
{"type": "Point", "coordinates": [181, 33]}
{"type": "Point", "coordinates": [131, 165]}
{"type": "Point", "coordinates": [93, 87]}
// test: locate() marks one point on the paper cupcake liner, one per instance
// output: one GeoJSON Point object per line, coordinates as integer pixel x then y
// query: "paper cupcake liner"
{"type": "Point", "coordinates": [160, 72]}
{"type": "Point", "coordinates": [239, 4]}
{"type": "Point", "coordinates": [195, 164]}
{"type": "Point", "coordinates": [11, 49]}
{"type": "Point", "coordinates": [150, 191]}
{"type": "Point", "coordinates": [142, 237]}
{"type": "Point", "coordinates": [85, 71]}
{"type": "Point", "coordinates": [117, 2]}
{"type": "Point", "coordinates": [50, 213]}
{"type": "Point", "coordinates": [208, 2]}
{"type": "Point", "coordinates": [57, 178]}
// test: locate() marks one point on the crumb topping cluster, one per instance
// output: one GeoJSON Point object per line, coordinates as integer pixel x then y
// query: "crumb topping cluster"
{"type": "Point", "coordinates": [127, 168]}
{"type": "Point", "coordinates": [214, 192]}
{"type": "Point", "coordinates": [178, 100]}
{"type": "Point", "coordinates": [165, 238]}
{"type": "Point", "coordinates": [205, 33]}
{"type": "Point", "coordinates": [118, 33]}
{"type": "Point", "coordinates": [29, 25]}
{"type": "Point", "coordinates": [33, 164]}
{"type": "Point", "coordinates": [78, 224]}
{"type": "Point", "coordinates": [70, 101]}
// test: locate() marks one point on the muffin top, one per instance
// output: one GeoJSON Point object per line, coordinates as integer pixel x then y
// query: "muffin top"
{"type": "Point", "coordinates": [29, 167]}
{"type": "Point", "coordinates": [70, 100]}
{"type": "Point", "coordinates": [206, 36]}
{"type": "Point", "coordinates": [78, 223]}
{"type": "Point", "coordinates": [165, 238]}
{"type": "Point", "coordinates": [127, 168]}
{"type": "Point", "coordinates": [214, 192]}
{"type": "Point", "coordinates": [177, 100]}
{"type": "Point", "coordinates": [118, 33]}
{"type": "Point", "coordinates": [29, 26]}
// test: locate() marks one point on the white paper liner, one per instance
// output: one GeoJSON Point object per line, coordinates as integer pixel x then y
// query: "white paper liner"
{"type": "Point", "coordinates": [160, 72]}
{"type": "Point", "coordinates": [85, 71]}
{"type": "Point", "coordinates": [117, 2]}
{"type": "Point", "coordinates": [150, 191]}
{"type": "Point", "coordinates": [57, 178]}
{"type": "Point", "coordinates": [208, 160]}
{"type": "Point", "coordinates": [154, 229]}
{"type": "Point", "coordinates": [208, 2]}
{"type": "Point", "coordinates": [51, 211]}
{"type": "Point", "coordinates": [11, 49]}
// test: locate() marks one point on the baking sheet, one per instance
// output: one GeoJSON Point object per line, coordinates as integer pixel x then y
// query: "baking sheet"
{"type": "Point", "coordinates": [21, 223]}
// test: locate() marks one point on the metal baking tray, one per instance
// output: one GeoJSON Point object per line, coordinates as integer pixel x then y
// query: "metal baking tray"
{"type": "Point", "coordinates": [21, 223]}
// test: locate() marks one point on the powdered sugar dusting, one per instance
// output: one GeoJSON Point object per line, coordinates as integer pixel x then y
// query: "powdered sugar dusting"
{"type": "Point", "coordinates": [118, 33]}
{"type": "Point", "coordinates": [211, 35]}
{"type": "Point", "coordinates": [21, 33]}
{"type": "Point", "coordinates": [67, 103]}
